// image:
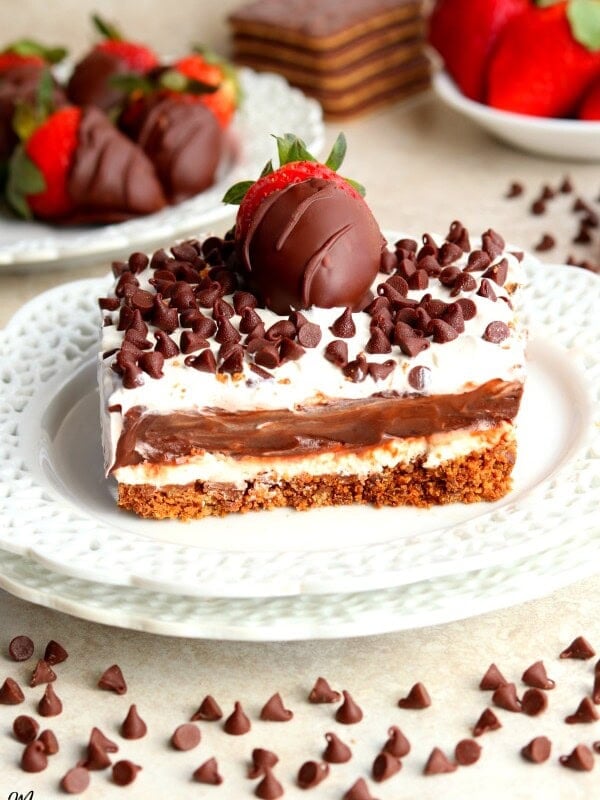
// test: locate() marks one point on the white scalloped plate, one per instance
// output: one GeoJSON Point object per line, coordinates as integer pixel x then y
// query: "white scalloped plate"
{"type": "Point", "coordinates": [56, 507]}
{"type": "Point", "coordinates": [270, 106]}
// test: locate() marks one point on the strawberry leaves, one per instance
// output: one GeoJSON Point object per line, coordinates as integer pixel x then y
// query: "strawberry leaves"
{"type": "Point", "coordinates": [584, 17]}
{"type": "Point", "coordinates": [29, 47]}
{"type": "Point", "coordinates": [106, 29]}
{"type": "Point", "coordinates": [236, 193]}
{"type": "Point", "coordinates": [24, 178]}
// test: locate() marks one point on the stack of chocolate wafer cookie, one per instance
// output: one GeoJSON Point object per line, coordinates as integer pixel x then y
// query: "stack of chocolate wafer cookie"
{"type": "Point", "coordinates": [351, 55]}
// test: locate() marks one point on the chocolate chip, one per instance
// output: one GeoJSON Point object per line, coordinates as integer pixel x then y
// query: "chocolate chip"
{"type": "Point", "coordinates": [98, 739]}
{"type": "Point", "coordinates": [208, 772]}
{"type": "Point", "coordinates": [417, 698]}
{"type": "Point", "coordinates": [290, 350]}
{"type": "Point", "coordinates": [165, 345]}
{"type": "Point", "coordinates": [488, 721]}
{"type": "Point", "coordinates": [207, 297]}
{"type": "Point", "coordinates": [536, 676]}
{"type": "Point", "coordinates": [261, 761]}
{"type": "Point", "coordinates": [442, 332]}
{"type": "Point", "coordinates": [498, 272]}
{"type": "Point", "coordinates": [459, 235]}
{"type": "Point", "coordinates": [349, 713]}
{"type": "Point", "coordinates": [537, 750]}
{"type": "Point", "coordinates": [585, 712]}
{"type": "Point", "coordinates": [279, 330]}
{"type": "Point", "coordinates": [356, 370]}
{"type": "Point", "coordinates": [448, 275]}
{"type": "Point", "coordinates": [378, 342]}
{"type": "Point", "coordinates": [132, 376]}
{"type": "Point", "coordinates": [387, 263]}
{"type": "Point", "coordinates": [438, 763]}
{"type": "Point", "coordinates": [34, 758]}
{"type": "Point", "coordinates": [137, 339]}
{"type": "Point", "coordinates": [20, 648]}
{"type": "Point", "coordinates": [419, 378]}
{"type": "Point", "coordinates": [410, 245]}
{"type": "Point", "coordinates": [505, 696]}
{"type": "Point", "coordinates": [50, 742]}
{"type": "Point", "coordinates": [579, 648]}
{"type": "Point", "coordinates": [25, 729]}
{"type": "Point", "coordinates": [112, 680]}
{"type": "Point", "coordinates": [243, 301]}
{"type": "Point", "coordinates": [50, 705]}
{"type": "Point", "coordinates": [269, 787]}
{"type": "Point", "coordinates": [538, 207]}
{"type": "Point", "coordinates": [133, 726]}
{"type": "Point", "coordinates": [152, 364]}
{"type": "Point", "coordinates": [596, 688]}
{"type": "Point", "coordinates": [596, 747]}
{"type": "Point", "coordinates": [75, 781]}
{"type": "Point", "coordinates": [226, 333]}
{"type": "Point", "coordinates": [453, 315]}
{"type": "Point", "coordinates": [309, 335]}
{"type": "Point", "coordinates": [515, 189]}
{"type": "Point", "coordinates": [336, 752]}
{"type": "Point", "coordinates": [406, 268]}
{"type": "Point", "coordinates": [534, 702]}
{"type": "Point", "coordinates": [208, 710]}
{"type": "Point", "coordinates": [43, 673]}
{"type": "Point", "coordinates": [344, 326]}
{"type": "Point", "coordinates": [96, 756]}
{"type": "Point", "coordinates": [124, 772]}
{"type": "Point", "coordinates": [191, 342]}
{"type": "Point", "coordinates": [55, 653]}
{"type": "Point", "coordinates": [547, 242]}
{"type": "Point", "coordinates": [379, 372]}
{"type": "Point", "coordinates": [159, 259]}
{"type": "Point", "coordinates": [384, 766]}
{"type": "Point", "coordinates": [397, 744]}
{"type": "Point", "coordinates": [496, 332]}
{"type": "Point", "coordinates": [205, 362]}
{"type": "Point", "coordinates": [566, 187]}
{"type": "Point", "coordinates": [419, 280]}
{"type": "Point", "coordinates": [411, 345]}
{"type": "Point", "coordinates": [311, 773]}
{"type": "Point", "coordinates": [138, 262]}
{"type": "Point", "coordinates": [467, 752]}
{"type": "Point", "coordinates": [298, 319]}
{"type": "Point", "coordinates": [486, 290]}
{"type": "Point", "coordinates": [237, 723]}
{"type": "Point", "coordinates": [222, 309]}
{"type": "Point", "coordinates": [274, 710]}
{"type": "Point", "coordinates": [358, 791]}
{"type": "Point", "coordinates": [449, 253]}
{"type": "Point", "coordinates": [478, 261]}
{"type": "Point", "coordinates": [186, 737]}
{"type": "Point", "coordinates": [163, 316]}
{"type": "Point", "coordinates": [108, 303]}
{"type": "Point", "coordinates": [232, 356]}
{"type": "Point", "coordinates": [492, 243]}
{"type": "Point", "coordinates": [323, 693]}
{"type": "Point", "coordinates": [492, 679]}
{"type": "Point", "coordinates": [583, 236]}
{"type": "Point", "coordinates": [267, 356]}
{"type": "Point", "coordinates": [580, 758]}
{"type": "Point", "coordinates": [468, 308]}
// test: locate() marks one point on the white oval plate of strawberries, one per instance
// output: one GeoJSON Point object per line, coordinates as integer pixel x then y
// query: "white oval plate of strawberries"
{"type": "Point", "coordinates": [527, 71]}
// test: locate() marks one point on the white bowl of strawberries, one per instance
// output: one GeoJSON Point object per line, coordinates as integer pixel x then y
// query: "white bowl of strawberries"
{"type": "Point", "coordinates": [528, 73]}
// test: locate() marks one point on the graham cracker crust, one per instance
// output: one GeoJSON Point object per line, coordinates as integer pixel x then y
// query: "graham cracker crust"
{"type": "Point", "coordinates": [480, 476]}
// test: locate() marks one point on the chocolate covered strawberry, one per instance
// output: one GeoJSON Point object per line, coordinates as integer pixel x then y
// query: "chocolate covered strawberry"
{"type": "Point", "coordinates": [305, 235]}
{"type": "Point", "coordinates": [75, 166]}
{"type": "Point", "coordinates": [464, 32]}
{"type": "Point", "coordinates": [29, 52]}
{"type": "Point", "coordinates": [205, 68]}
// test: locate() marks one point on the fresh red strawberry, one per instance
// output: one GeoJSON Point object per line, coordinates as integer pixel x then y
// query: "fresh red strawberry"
{"type": "Point", "coordinates": [296, 165]}
{"type": "Point", "coordinates": [539, 67]}
{"type": "Point", "coordinates": [211, 71]}
{"type": "Point", "coordinates": [464, 33]}
{"type": "Point", "coordinates": [28, 51]}
{"type": "Point", "coordinates": [138, 57]}
{"type": "Point", "coordinates": [590, 108]}
{"type": "Point", "coordinates": [10, 60]}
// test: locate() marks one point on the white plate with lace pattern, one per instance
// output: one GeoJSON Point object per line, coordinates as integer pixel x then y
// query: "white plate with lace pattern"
{"type": "Point", "coordinates": [57, 508]}
{"type": "Point", "coordinates": [270, 106]}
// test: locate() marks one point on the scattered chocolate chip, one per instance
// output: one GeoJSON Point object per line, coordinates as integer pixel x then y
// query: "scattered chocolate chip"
{"type": "Point", "coordinates": [243, 301]}
{"type": "Point", "coordinates": [274, 710]}
{"type": "Point", "coordinates": [384, 766]}
{"type": "Point", "coordinates": [289, 350]}
{"type": "Point", "coordinates": [538, 750]}
{"type": "Point", "coordinates": [34, 758]}
{"type": "Point", "coordinates": [586, 712]}
{"type": "Point", "coordinates": [515, 189]}
{"type": "Point", "coordinates": [429, 265]}
{"type": "Point", "coordinates": [486, 290]}
{"type": "Point", "coordinates": [205, 361]}
{"type": "Point", "coordinates": [208, 772]}
{"type": "Point", "coordinates": [534, 702]}
{"type": "Point", "coordinates": [498, 272]}
{"type": "Point", "coordinates": [124, 772]}
{"type": "Point", "coordinates": [267, 356]}
{"type": "Point", "coordinates": [596, 688]}
{"type": "Point", "coordinates": [50, 742]}
{"type": "Point", "coordinates": [538, 207]}
{"type": "Point", "coordinates": [496, 332]}
{"type": "Point", "coordinates": [222, 309]}
{"type": "Point", "coordinates": [492, 679]}
{"type": "Point", "coordinates": [459, 235]}
{"type": "Point", "coordinates": [232, 359]}
{"type": "Point", "coordinates": [309, 335]}
{"type": "Point", "coordinates": [75, 781]}
{"type": "Point", "coordinates": [20, 648]}
{"type": "Point", "coordinates": [566, 187]}
{"type": "Point", "coordinates": [25, 729]}
{"type": "Point", "coordinates": [269, 787]}
{"type": "Point", "coordinates": [96, 757]}
{"type": "Point", "coordinates": [349, 713]}
{"type": "Point", "coordinates": [536, 676]}
{"type": "Point", "coordinates": [322, 692]}
{"type": "Point", "coordinates": [344, 327]}
{"type": "Point", "coordinates": [165, 345]}
{"type": "Point", "coordinates": [164, 317]}
{"type": "Point", "coordinates": [442, 332]}
{"type": "Point", "coordinates": [419, 378]}
{"type": "Point", "coordinates": [579, 648]}
{"type": "Point", "coordinates": [108, 303]}
{"type": "Point", "coordinates": [478, 261]}
{"type": "Point", "coordinates": [580, 758]}
{"type": "Point", "coordinates": [261, 761]}
{"type": "Point", "coordinates": [387, 263]}
{"type": "Point", "coordinates": [596, 747]}
{"type": "Point", "coordinates": [356, 370]}
{"type": "Point", "coordinates": [580, 205]}
{"type": "Point", "coordinates": [152, 364]}
{"type": "Point", "coordinates": [133, 726]}
{"type": "Point", "coordinates": [11, 693]}
{"type": "Point", "coordinates": [336, 752]}
{"type": "Point", "coordinates": [226, 333]}
{"type": "Point", "coordinates": [547, 242]}
{"type": "Point", "coordinates": [112, 680]}
{"type": "Point", "coordinates": [438, 763]}
{"type": "Point", "coordinates": [379, 372]}
{"type": "Point", "coordinates": [505, 696]}
{"type": "Point", "coordinates": [50, 705]}
{"type": "Point", "coordinates": [358, 791]}
{"type": "Point", "coordinates": [55, 653]}
{"type": "Point", "coordinates": [488, 721]}
{"type": "Point", "coordinates": [208, 710]}
{"type": "Point", "coordinates": [43, 673]}
{"type": "Point", "coordinates": [467, 752]}
{"type": "Point", "coordinates": [186, 737]}
{"type": "Point", "coordinates": [378, 342]}
{"type": "Point", "coordinates": [311, 773]}
{"type": "Point", "coordinates": [449, 253]}
{"type": "Point", "coordinates": [280, 330]}
{"type": "Point", "coordinates": [98, 739]}
{"type": "Point", "coordinates": [237, 723]}
{"type": "Point", "coordinates": [417, 698]}
{"type": "Point", "coordinates": [410, 245]}
{"type": "Point", "coordinates": [583, 235]}
{"type": "Point", "coordinates": [397, 744]}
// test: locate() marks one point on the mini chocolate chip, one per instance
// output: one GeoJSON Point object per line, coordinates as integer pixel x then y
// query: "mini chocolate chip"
{"type": "Point", "coordinates": [337, 352]}
{"type": "Point", "coordinates": [222, 309]}
{"type": "Point", "coordinates": [467, 752]}
{"type": "Point", "coordinates": [204, 362]}
{"type": "Point", "coordinates": [186, 737]}
{"type": "Point", "coordinates": [165, 345]}
{"type": "Point", "coordinates": [459, 235]}
{"type": "Point", "coordinates": [583, 236]}
{"type": "Point", "coordinates": [208, 772]}
{"type": "Point", "coordinates": [384, 766]}
{"type": "Point", "coordinates": [412, 345]}
{"type": "Point", "coordinates": [398, 283]}
{"type": "Point", "coordinates": [242, 301]}
{"type": "Point", "coordinates": [419, 280]}
{"type": "Point", "coordinates": [537, 750]}
{"type": "Point", "coordinates": [417, 698]}
{"type": "Point", "coordinates": [566, 187]}
{"type": "Point", "coordinates": [50, 705]}
{"type": "Point", "coordinates": [449, 253]}
{"type": "Point", "coordinates": [344, 326]}
{"type": "Point", "coordinates": [438, 763]}
{"type": "Point", "coordinates": [132, 376]}
{"type": "Point", "coordinates": [152, 364]}
{"type": "Point", "coordinates": [34, 758]}
{"type": "Point", "coordinates": [349, 713]}
{"type": "Point", "coordinates": [442, 332]}
{"type": "Point", "coordinates": [142, 301]}
{"type": "Point", "coordinates": [75, 781]}
{"type": "Point", "coordinates": [98, 739]}
{"type": "Point", "coordinates": [25, 729]}
{"type": "Point", "coordinates": [274, 710]}
{"type": "Point", "coordinates": [496, 332]}
{"type": "Point", "coordinates": [279, 330]}
{"type": "Point", "coordinates": [124, 772]}
{"type": "Point", "coordinates": [383, 321]}
{"type": "Point", "coordinates": [585, 712]}
{"type": "Point", "coordinates": [43, 673]}
{"type": "Point", "coordinates": [378, 342]}
{"type": "Point", "coordinates": [269, 787]}
{"type": "Point", "coordinates": [138, 262]}
{"type": "Point", "coordinates": [249, 320]}
{"type": "Point", "coordinates": [505, 696]}
{"type": "Point", "coordinates": [419, 378]}
{"type": "Point", "coordinates": [492, 679]}
{"type": "Point", "coordinates": [580, 758]}
{"type": "Point", "coordinates": [388, 262]}
{"type": "Point", "coordinates": [406, 268]}
{"type": "Point", "coordinates": [380, 371]}
{"type": "Point", "coordinates": [50, 742]}
{"type": "Point", "coordinates": [591, 220]}
{"type": "Point", "coordinates": [453, 315]}
{"type": "Point", "coordinates": [534, 702]}
{"type": "Point", "coordinates": [448, 275]}
{"type": "Point", "coordinates": [261, 761]}
{"type": "Point", "coordinates": [108, 303]}
{"type": "Point", "coordinates": [207, 297]}
{"type": "Point", "coordinates": [488, 721]}
{"type": "Point", "coordinates": [498, 272]}
{"type": "Point", "coordinates": [233, 359]}
{"type": "Point", "coordinates": [358, 791]}
{"type": "Point", "coordinates": [596, 747]}
{"type": "Point", "coordinates": [204, 326]}
{"type": "Point", "coordinates": [137, 339]}
{"type": "Point", "coordinates": [487, 290]}
{"type": "Point", "coordinates": [289, 350]}
{"type": "Point", "coordinates": [547, 242]}
{"type": "Point", "coordinates": [336, 752]}
{"type": "Point", "coordinates": [55, 653]}
{"type": "Point", "coordinates": [323, 693]}
{"type": "Point", "coordinates": [478, 261]}
{"type": "Point", "coordinates": [112, 680]}
{"type": "Point", "coordinates": [133, 726]}
{"type": "Point", "coordinates": [410, 245]}
{"type": "Point", "coordinates": [393, 295]}
{"type": "Point", "coordinates": [237, 723]}
{"type": "Point", "coordinates": [96, 756]}
{"type": "Point", "coordinates": [311, 773]}
{"type": "Point", "coordinates": [596, 688]}
{"type": "Point", "coordinates": [208, 710]}
{"type": "Point", "coordinates": [164, 317]}
{"type": "Point", "coordinates": [160, 259]}
{"type": "Point", "coordinates": [538, 207]}
{"type": "Point", "coordinates": [309, 335]}
{"type": "Point", "coordinates": [226, 333]}
{"type": "Point", "coordinates": [185, 251]}
{"type": "Point", "coordinates": [20, 648]}
{"type": "Point", "coordinates": [536, 676]}
{"type": "Point", "coordinates": [191, 342]}
{"type": "Point", "coordinates": [468, 308]}
{"type": "Point", "coordinates": [515, 189]}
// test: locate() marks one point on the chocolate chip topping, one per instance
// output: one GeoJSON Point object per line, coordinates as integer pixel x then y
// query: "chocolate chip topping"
{"type": "Point", "coordinates": [309, 335]}
{"type": "Point", "coordinates": [505, 696]}
{"type": "Point", "coordinates": [274, 710]}
{"type": "Point", "coordinates": [125, 772]}
{"type": "Point", "coordinates": [547, 242]}
{"type": "Point", "coordinates": [344, 326]}
{"type": "Point", "coordinates": [515, 189]}
{"type": "Point", "coordinates": [96, 756]}
{"type": "Point", "coordinates": [478, 261]}
{"type": "Point", "coordinates": [98, 739]}
{"type": "Point", "coordinates": [596, 688]}
{"type": "Point", "coordinates": [579, 648]}
{"type": "Point", "coordinates": [311, 773]}
{"type": "Point", "coordinates": [496, 332]}
{"type": "Point", "coordinates": [438, 763]}
{"type": "Point", "coordinates": [205, 362]}
{"type": "Point", "coordinates": [384, 766]}
{"type": "Point", "coordinates": [43, 673]}
{"type": "Point", "coordinates": [261, 760]}
{"type": "Point", "coordinates": [487, 290]}
{"type": "Point", "coordinates": [537, 750]}
{"type": "Point", "coordinates": [237, 723]}
{"type": "Point", "coordinates": [208, 772]}
{"type": "Point", "coordinates": [397, 744]}
{"type": "Point", "coordinates": [358, 791]}
{"type": "Point", "coordinates": [488, 721]}
{"type": "Point", "coordinates": [269, 787]}
{"type": "Point", "coordinates": [25, 729]}
{"type": "Point", "coordinates": [337, 352]}
{"type": "Point", "coordinates": [323, 693]}
{"type": "Point", "coordinates": [419, 378]}
{"type": "Point", "coordinates": [336, 752]}
{"type": "Point", "coordinates": [349, 713]}
{"type": "Point", "coordinates": [75, 781]}
{"type": "Point", "coordinates": [492, 679]}
{"type": "Point", "coordinates": [586, 712]}
{"type": "Point", "coordinates": [467, 752]}
{"type": "Point", "coordinates": [50, 742]}
{"type": "Point", "coordinates": [152, 364]}
{"type": "Point", "coordinates": [186, 737]}
{"type": "Point", "coordinates": [534, 702]}
{"type": "Point", "coordinates": [580, 758]}
{"type": "Point", "coordinates": [208, 710]}
{"type": "Point", "coordinates": [133, 726]}
{"type": "Point", "coordinates": [536, 676]}
{"type": "Point", "coordinates": [165, 345]}
{"type": "Point", "coordinates": [55, 653]}
{"type": "Point", "coordinates": [112, 680]}
{"type": "Point", "coordinates": [50, 705]}
{"type": "Point", "coordinates": [20, 648]}
{"type": "Point", "coordinates": [34, 758]}
{"type": "Point", "coordinates": [417, 698]}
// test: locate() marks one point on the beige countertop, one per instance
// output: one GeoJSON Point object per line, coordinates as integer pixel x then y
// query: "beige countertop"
{"type": "Point", "coordinates": [423, 167]}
